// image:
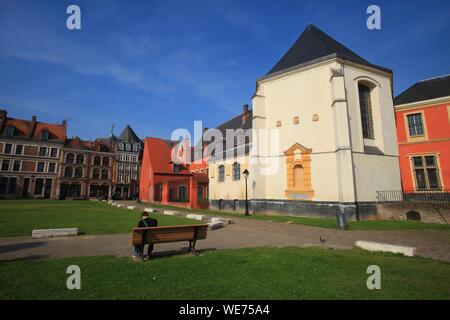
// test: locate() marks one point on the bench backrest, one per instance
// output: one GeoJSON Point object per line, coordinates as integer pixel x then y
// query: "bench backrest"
{"type": "Point", "coordinates": [169, 234]}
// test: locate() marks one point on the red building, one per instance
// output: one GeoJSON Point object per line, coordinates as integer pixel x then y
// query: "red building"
{"type": "Point", "coordinates": [423, 132]}
{"type": "Point", "coordinates": [179, 183]}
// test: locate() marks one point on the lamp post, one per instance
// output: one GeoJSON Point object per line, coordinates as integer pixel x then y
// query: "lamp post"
{"type": "Point", "coordinates": [246, 174]}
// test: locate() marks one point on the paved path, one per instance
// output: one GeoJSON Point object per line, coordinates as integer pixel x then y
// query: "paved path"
{"type": "Point", "coordinates": [245, 233]}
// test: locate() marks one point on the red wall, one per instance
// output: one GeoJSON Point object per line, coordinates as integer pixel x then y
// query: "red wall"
{"type": "Point", "coordinates": [436, 118]}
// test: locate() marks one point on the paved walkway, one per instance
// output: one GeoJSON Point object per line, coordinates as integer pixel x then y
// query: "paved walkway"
{"type": "Point", "coordinates": [245, 233]}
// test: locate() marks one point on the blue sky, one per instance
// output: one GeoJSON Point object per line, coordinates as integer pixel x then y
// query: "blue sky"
{"type": "Point", "coordinates": [160, 65]}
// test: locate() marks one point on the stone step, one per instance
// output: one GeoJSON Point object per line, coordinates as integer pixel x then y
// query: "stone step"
{"type": "Point", "coordinates": [385, 247]}
{"type": "Point", "coordinates": [215, 225]}
{"type": "Point", "coordinates": [150, 210]}
{"type": "Point", "coordinates": [199, 217]}
{"type": "Point", "coordinates": [51, 233]}
{"type": "Point", "coordinates": [224, 220]}
{"type": "Point", "coordinates": [131, 207]}
{"type": "Point", "coordinates": [172, 213]}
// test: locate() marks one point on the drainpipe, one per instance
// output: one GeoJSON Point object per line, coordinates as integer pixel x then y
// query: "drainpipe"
{"type": "Point", "coordinates": [351, 146]}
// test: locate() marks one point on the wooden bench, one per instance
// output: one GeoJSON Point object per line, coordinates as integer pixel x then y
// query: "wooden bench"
{"type": "Point", "coordinates": [153, 235]}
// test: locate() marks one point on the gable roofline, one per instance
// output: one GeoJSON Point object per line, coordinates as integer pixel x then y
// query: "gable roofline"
{"type": "Point", "coordinates": [314, 46]}
{"type": "Point", "coordinates": [333, 56]}
{"type": "Point", "coordinates": [128, 134]}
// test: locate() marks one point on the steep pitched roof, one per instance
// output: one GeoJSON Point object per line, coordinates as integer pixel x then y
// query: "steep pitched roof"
{"type": "Point", "coordinates": [129, 135]}
{"type": "Point", "coordinates": [33, 129]}
{"type": "Point", "coordinates": [312, 45]}
{"type": "Point", "coordinates": [425, 90]}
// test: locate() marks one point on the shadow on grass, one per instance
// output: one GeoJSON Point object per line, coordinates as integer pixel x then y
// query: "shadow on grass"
{"type": "Point", "coordinates": [20, 246]}
{"type": "Point", "coordinates": [178, 252]}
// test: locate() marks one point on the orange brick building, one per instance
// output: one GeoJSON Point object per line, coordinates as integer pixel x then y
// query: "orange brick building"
{"type": "Point", "coordinates": [423, 132]}
{"type": "Point", "coordinates": [181, 183]}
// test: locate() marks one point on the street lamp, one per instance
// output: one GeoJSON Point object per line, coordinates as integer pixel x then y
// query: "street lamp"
{"type": "Point", "coordinates": [246, 174]}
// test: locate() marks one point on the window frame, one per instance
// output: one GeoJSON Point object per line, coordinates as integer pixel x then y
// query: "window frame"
{"type": "Point", "coordinates": [368, 114]}
{"type": "Point", "coordinates": [426, 168]}
{"type": "Point", "coordinates": [422, 137]}
{"type": "Point", "coordinates": [221, 173]}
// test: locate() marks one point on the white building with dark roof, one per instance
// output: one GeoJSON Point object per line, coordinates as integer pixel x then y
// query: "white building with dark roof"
{"type": "Point", "coordinates": [334, 139]}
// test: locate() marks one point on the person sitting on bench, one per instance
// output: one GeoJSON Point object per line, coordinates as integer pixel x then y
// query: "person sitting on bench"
{"type": "Point", "coordinates": [145, 222]}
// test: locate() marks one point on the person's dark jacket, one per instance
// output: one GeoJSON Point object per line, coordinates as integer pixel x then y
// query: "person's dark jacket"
{"type": "Point", "coordinates": [148, 222]}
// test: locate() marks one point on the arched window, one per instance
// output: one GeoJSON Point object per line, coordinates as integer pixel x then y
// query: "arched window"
{"type": "Point", "coordinates": [80, 158]}
{"type": "Point", "coordinates": [78, 172]}
{"type": "Point", "coordinates": [236, 171]}
{"type": "Point", "coordinates": [68, 172]}
{"type": "Point", "coordinates": [105, 174]}
{"type": "Point", "coordinates": [298, 178]}
{"type": "Point", "coordinates": [365, 105]}
{"type": "Point", "coordinates": [105, 161]}
{"type": "Point", "coordinates": [96, 174]}
{"type": "Point", "coordinates": [182, 193]}
{"type": "Point", "coordinates": [97, 160]}
{"type": "Point", "coordinates": [70, 158]}
{"type": "Point", "coordinates": [221, 173]}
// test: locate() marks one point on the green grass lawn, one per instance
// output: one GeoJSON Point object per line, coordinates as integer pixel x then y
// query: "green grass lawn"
{"type": "Point", "coordinates": [261, 273]}
{"type": "Point", "coordinates": [20, 217]}
{"type": "Point", "coordinates": [324, 222]}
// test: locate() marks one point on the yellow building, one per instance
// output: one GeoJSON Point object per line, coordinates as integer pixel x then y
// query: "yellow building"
{"type": "Point", "coordinates": [322, 139]}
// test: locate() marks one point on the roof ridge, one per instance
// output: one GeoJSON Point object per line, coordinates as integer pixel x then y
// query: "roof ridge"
{"type": "Point", "coordinates": [434, 78]}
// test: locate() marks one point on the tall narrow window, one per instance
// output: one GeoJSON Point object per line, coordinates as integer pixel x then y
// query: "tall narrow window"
{"type": "Point", "coordinates": [221, 173]}
{"type": "Point", "coordinates": [8, 148]}
{"type": "Point", "coordinates": [19, 149]}
{"type": "Point", "coordinates": [236, 171]}
{"type": "Point", "coordinates": [415, 124]}
{"type": "Point", "coordinates": [78, 172]}
{"type": "Point", "coordinates": [365, 105]}
{"type": "Point", "coordinates": [38, 186]}
{"type": "Point", "coordinates": [68, 172]}
{"type": "Point", "coordinates": [97, 160]}
{"type": "Point", "coordinates": [12, 188]}
{"type": "Point", "coordinates": [105, 174]}
{"type": "Point", "coordinates": [80, 159]}
{"type": "Point", "coordinates": [426, 172]}
{"type": "Point", "coordinates": [96, 174]}
{"type": "Point", "coordinates": [70, 158]}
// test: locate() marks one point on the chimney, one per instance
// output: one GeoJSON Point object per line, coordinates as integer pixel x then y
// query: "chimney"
{"type": "Point", "coordinates": [245, 114]}
{"type": "Point", "coordinates": [33, 126]}
{"type": "Point", "coordinates": [3, 114]}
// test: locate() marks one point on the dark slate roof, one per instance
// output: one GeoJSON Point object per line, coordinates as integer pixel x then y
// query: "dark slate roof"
{"type": "Point", "coordinates": [129, 135]}
{"type": "Point", "coordinates": [237, 123]}
{"type": "Point", "coordinates": [240, 146]}
{"type": "Point", "coordinates": [425, 90]}
{"type": "Point", "coordinates": [314, 44]}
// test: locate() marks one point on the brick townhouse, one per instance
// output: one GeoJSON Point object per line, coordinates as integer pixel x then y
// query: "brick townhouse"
{"type": "Point", "coordinates": [87, 169]}
{"type": "Point", "coordinates": [29, 157]}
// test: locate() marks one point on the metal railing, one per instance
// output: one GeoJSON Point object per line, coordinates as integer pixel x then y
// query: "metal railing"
{"type": "Point", "coordinates": [414, 196]}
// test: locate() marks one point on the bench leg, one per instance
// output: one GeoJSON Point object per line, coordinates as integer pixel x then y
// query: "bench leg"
{"type": "Point", "coordinates": [192, 247]}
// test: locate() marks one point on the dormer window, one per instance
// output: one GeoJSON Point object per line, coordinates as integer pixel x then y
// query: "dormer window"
{"type": "Point", "coordinates": [120, 146]}
{"type": "Point", "coordinates": [128, 147]}
{"type": "Point", "coordinates": [44, 134]}
{"type": "Point", "coordinates": [135, 147]}
{"type": "Point", "coordinates": [10, 131]}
